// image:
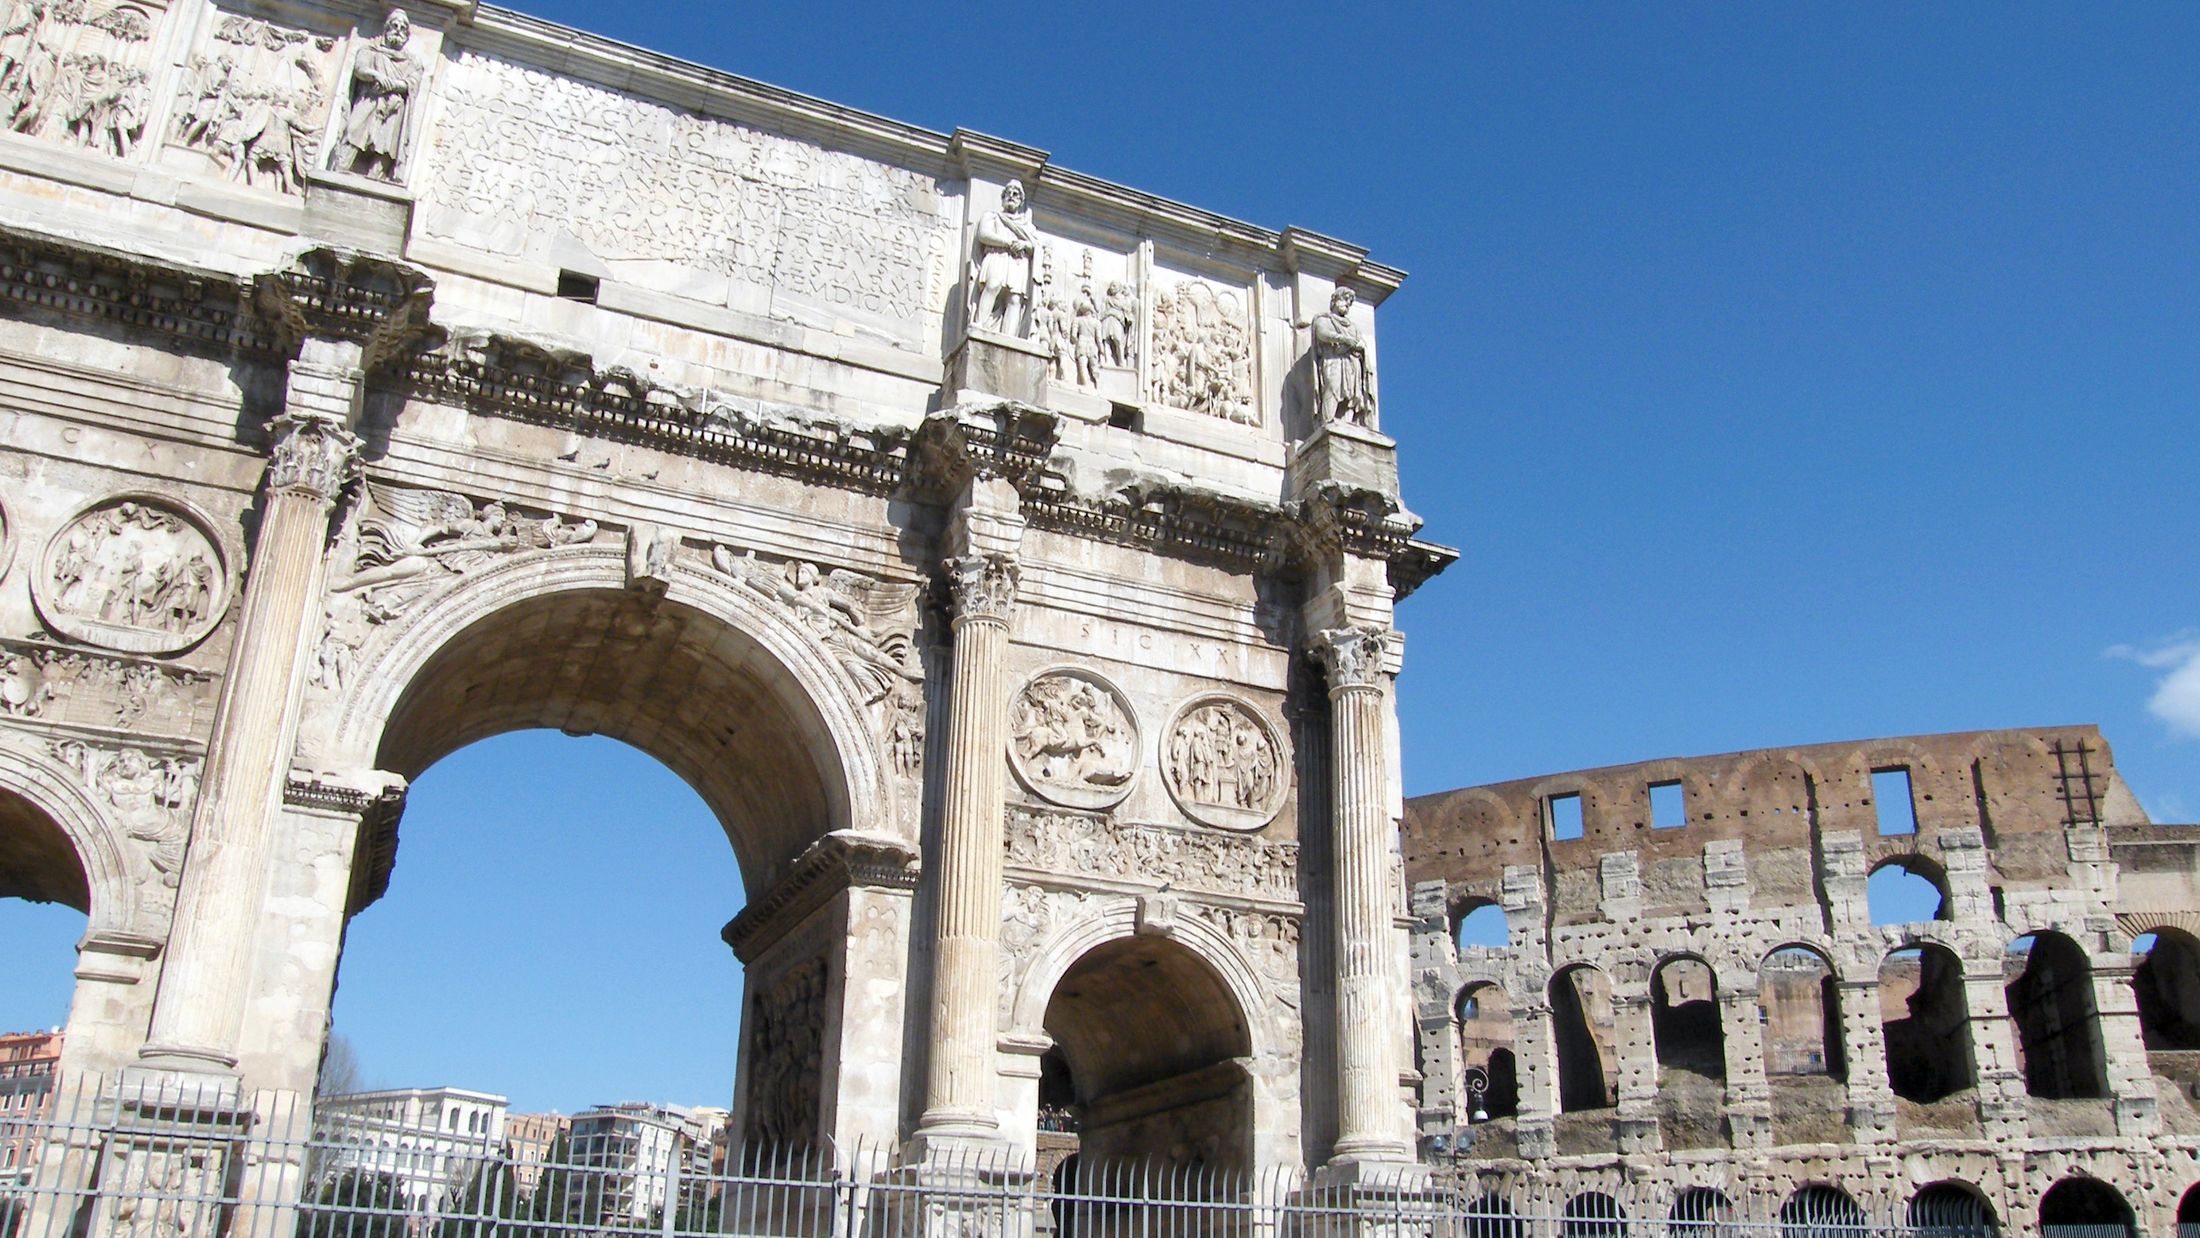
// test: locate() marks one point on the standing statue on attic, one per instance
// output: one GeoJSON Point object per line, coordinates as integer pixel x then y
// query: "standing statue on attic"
{"type": "Point", "coordinates": [1000, 265]}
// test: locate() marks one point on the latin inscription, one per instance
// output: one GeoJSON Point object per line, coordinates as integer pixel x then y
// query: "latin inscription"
{"type": "Point", "coordinates": [635, 180]}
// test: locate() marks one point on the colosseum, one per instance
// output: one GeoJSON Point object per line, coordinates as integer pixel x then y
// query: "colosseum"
{"type": "Point", "coordinates": [1947, 978]}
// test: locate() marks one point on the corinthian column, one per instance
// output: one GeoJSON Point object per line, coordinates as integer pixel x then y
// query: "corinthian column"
{"type": "Point", "coordinates": [200, 1003]}
{"type": "Point", "coordinates": [959, 1096]}
{"type": "Point", "coordinates": [1367, 1070]}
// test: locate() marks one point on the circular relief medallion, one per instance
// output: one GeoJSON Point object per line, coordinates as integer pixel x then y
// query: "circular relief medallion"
{"type": "Point", "coordinates": [1223, 764]}
{"type": "Point", "coordinates": [7, 543]}
{"type": "Point", "coordinates": [132, 574]}
{"type": "Point", "coordinates": [1072, 739]}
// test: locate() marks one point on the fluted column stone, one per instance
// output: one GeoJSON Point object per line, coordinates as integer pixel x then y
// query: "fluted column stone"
{"type": "Point", "coordinates": [1353, 659]}
{"type": "Point", "coordinates": [199, 1006]}
{"type": "Point", "coordinates": [961, 1078]}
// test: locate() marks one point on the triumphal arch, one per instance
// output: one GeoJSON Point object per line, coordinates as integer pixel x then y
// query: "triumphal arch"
{"type": "Point", "coordinates": [1006, 556]}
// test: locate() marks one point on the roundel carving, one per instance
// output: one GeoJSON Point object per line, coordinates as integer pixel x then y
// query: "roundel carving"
{"type": "Point", "coordinates": [133, 574]}
{"type": "Point", "coordinates": [1223, 765]}
{"type": "Point", "coordinates": [1073, 739]}
{"type": "Point", "coordinates": [7, 543]}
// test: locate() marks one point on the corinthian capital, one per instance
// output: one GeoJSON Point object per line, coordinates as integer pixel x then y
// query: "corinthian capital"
{"type": "Point", "coordinates": [313, 453]}
{"type": "Point", "coordinates": [1353, 657]}
{"type": "Point", "coordinates": [983, 586]}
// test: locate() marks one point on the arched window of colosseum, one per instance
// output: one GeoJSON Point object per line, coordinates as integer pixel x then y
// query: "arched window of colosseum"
{"type": "Point", "coordinates": [1821, 1211]}
{"type": "Point", "coordinates": [1927, 1024]}
{"type": "Point", "coordinates": [2085, 1208]}
{"type": "Point", "coordinates": [1491, 1216]}
{"type": "Point", "coordinates": [2188, 1213]}
{"type": "Point", "coordinates": [2167, 986]}
{"type": "Point", "coordinates": [1593, 1214]}
{"type": "Point", "coordinates": [45, 899]}
{"type": "Point", "coordinates": [2058, 1030]}
{"type": "Point", "coordinates": [1684, 1023]}
{"type": "Point", "coordinates": [1481, 925]}
{"type": "Point", "coordinates": [1799, 1006]}
{"type": "Point", "coordinates": [1701, 1212]}
{"type": "Point", "coordinates": [1582, 1035]}
{"type": "Point", "coordinates": [1486, 1045]}
{"type": "Point", "coordinates": [1951, 1210]}
{"type": "Point", "coordinates": [1906, 890]}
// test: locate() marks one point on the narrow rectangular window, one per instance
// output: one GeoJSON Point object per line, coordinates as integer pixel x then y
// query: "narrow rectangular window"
{"type": "Point", "coordinates": [1668, 806]}
{"type": "Point", "coordinates": [1565, 811]}
{"type": "Point", "coordinates": [1891, 796]}
{"type": "Point", "coordinates": [574, 286]}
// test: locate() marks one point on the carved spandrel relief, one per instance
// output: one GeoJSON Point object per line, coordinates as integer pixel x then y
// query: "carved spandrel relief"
{"type": "Point", "coordinates": [151, 795]}
{"type": "Point", "coordinates": [1203, 352]}
{"type": "Point", "coordinates": [1028, 914]}
{"type": "Point", "coordinates": [76, 71]}
{"type": "Point", "coordinates": [386, 82]}
{"type": "Point", "coordinates": [639, 182]}
{"type": "Point", "coordinates": [413, 542]}
{"type": "Point", "coordinates": [254, 101]}
{"type": "Point", "coordinates": [1223, 765]}
{"type": "Point", "coordinates": [1073, 739]}
{"type": "Point", "coordinates": [1076, 845]}
{"type": "Point", "coordinates": [64, 687]}
{"type": "Point", "coordinates": [869, 625]}
{"type": "Point", "coordinates": [135, 575]}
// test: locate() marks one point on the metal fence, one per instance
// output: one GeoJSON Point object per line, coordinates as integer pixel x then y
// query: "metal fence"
{"type": "Point", "coordinates": [154, 1162]}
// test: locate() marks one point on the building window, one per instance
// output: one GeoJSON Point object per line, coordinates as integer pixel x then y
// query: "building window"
{"type": "Point", "coordinates": [1564, 812]}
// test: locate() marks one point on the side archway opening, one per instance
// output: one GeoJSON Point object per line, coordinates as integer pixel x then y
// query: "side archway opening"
{"type": "Point", "coordinates": [2086, 1208]}
{"type": "Point", "coordinates": [1155, 1048]}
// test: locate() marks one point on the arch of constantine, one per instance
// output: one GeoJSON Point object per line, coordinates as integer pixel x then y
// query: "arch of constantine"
{"type": "Point", "coordinates": [1008, 559]}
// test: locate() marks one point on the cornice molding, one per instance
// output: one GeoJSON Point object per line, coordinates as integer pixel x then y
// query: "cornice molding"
{"type": "Point", "coordinates": [831, 864]}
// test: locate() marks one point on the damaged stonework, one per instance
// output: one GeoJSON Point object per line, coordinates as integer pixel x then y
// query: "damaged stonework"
{"type": "Point", "coordinates": [1708, 974]}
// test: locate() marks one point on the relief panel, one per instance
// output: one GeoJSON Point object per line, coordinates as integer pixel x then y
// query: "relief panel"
{"type": "Point", "coordinates": [1223, 765]}
{"type": "Point", "coordinates": [253, 99]}
{"type": "Point", "coordinates": [133, 574]}
{"type": "Point", "coordinates": [1073, 739]}
{"type": "Point", "coordinates": [1202, 348]}
{"type": "Point", "coordinates": [78, 72]}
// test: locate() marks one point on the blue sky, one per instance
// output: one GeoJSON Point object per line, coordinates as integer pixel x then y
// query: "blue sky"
{"type": "Point", "coordinates": [1785, 374]}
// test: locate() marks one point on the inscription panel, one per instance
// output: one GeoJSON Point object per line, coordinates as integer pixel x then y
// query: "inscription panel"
{"type": "Point", "coordinates": [788, 224]}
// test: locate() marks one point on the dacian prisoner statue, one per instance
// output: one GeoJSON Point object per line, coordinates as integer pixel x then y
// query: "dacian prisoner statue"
{"type": "Point", "coordinates": [1341, 387]}
{"type": "Point", "coordinates": [383, 82]}
{"type": "Point", "coordinates": [1000, 265]}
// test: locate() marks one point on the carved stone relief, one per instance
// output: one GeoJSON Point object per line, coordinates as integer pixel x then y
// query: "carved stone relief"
{"type": "Point", "coordinates": [77, 71]}
{"type": "Point", "coordinates": [1076, 845]}
{"type": "Point", "coordinates": [133, 574]}
{"type": "Point", "coordinates": [1202, 352]}
{"type": "Point", "coordinates": [1223, 765]}
{"type": "Point", "coordinates": [411, 543]}
{"type": "Point", "coordinates": [254, 101]}
{"type": "Point", "coordinates": [1269, 941]}
{"type": "Point", "coordinates": [386, 82]}
{"type": "Point", "coordinates": [73, 688]}
{"type": "Point", "coordinates": [151, 795]}
{"type": "Point", "coordinates": [787, 1057]}
{"type": "Point", "coordinates": [7, 543]}
{"type": "Point", "coordinates": [638, 181]}
{"type": "Point", "coordinates": [1028, 915]}
{"type": "Point", "coordinates": [869, 625]}
{"type": "Point", "coordinates": [1091, 335]}
{"type": "Point", "coordinates": [1073, 739]}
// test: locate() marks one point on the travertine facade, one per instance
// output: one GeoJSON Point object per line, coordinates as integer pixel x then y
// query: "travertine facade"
{"type": "Point", "coordinates": [1007, 558]}
{"type": "Point", "coordinates": [1763, 1025]}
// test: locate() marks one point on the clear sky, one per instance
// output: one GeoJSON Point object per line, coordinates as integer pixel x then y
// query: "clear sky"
{"type": "Point", "coordinates": [1785, 373]}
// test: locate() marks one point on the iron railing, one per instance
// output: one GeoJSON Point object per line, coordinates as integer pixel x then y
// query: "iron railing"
{"type": "Point", "coordinates": [156, 1161]}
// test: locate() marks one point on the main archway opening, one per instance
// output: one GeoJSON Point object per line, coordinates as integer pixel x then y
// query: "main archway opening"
{"type": "Point", "coordinates": [1155, 1049]}
{"type": "Point", "coordinates": [570, 890]}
